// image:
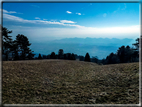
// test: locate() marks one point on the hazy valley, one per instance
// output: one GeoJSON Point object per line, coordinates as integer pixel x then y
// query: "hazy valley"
{"type": "Point", "coordinates": [100, 47]}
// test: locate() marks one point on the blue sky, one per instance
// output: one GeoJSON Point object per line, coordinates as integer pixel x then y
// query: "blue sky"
{"type": "Point", "coordinates": [49, 21]}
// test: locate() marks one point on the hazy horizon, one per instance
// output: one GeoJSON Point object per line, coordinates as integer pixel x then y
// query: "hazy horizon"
{"type": "Point", "coordinates": [100, 47]}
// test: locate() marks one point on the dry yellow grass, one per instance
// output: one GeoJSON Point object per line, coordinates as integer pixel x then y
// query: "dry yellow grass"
{"type": "Point", "coordinates": [69, 82]}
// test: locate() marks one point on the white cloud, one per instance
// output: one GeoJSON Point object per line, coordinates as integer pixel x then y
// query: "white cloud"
{"type": "Point", "coordinates": [48, 22]}
{"type": "Point", "coordinates": [18, 19]}
{"type": "Point", "coordinates": [104, 15]}
{"type": "Point", "coordinates": [78, 26]}
{"type": "Point", "coordinates": [68, 12]}
{"type": "Point", "coordinates": [37, 18]}
{"type": "Point", "coordinates": [66, 21]}
{"type": "Point", "coordinates": [78, 13]}
{"type": "Point", "coordinates": [5, 11]}
{"type": "Point", "coordinates": [9, 12]}
{"type": "Point", "coordinates": [15, 18]}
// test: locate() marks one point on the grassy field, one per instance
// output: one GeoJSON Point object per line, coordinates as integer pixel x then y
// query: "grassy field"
{"type": "Point", "coordinates": [69, 82]}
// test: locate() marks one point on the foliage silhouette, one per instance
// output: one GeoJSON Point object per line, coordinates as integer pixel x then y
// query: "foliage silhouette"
{"type": "Point", "coordinates": [136, 45]}
{"type": "Point", "coordinates": [87, 57]}
{"type": "Point", "coordinates": [73, 56]}
{"type": "Point", "coordinates": [112, 59]}
{"type": "Point", "coordinates": [6, 42]}
{"type": "Point", "coordinates": [39, 56]}
{"type": "Point", "coordinates": [22, 47]}
{"type": "Point", "coordinates": [61, 54]}
{"type": "Point", "coordinates": [53, 56]}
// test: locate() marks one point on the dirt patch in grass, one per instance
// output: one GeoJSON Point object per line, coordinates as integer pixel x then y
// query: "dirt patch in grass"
{"type": "Point", "coordinates": [69, 82]}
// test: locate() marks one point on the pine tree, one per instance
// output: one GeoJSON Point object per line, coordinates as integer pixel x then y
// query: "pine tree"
{"type": "Point", "coordinates": [61, 54]}
{"type": "Point", "coordinates": [87, 57]}
{"type": "Point", "coordinates": [39, 56]}
{"type": "Point", "coordinates": [53, 56]}
{"type": "Point", "coordinates": [21, 45]}
{"type": "Point", "coordinates": [6, 42]}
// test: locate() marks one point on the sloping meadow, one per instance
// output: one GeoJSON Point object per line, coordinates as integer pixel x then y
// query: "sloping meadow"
{"type": "Point", "coordinates": [69, 82]}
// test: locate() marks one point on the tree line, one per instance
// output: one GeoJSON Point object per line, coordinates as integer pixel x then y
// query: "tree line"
{"type": "Point", "coordinates": [123, 55]}
{"type": "Point", "coordinates": [62, 55]}
{"type": "Point", "coordinates": [20, 51]}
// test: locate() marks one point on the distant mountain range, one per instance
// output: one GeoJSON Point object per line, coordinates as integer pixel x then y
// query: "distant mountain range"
{"type": "Point", "coordinates": [96, 41]}
{"type": "Point", "coordinates": [100, 47]}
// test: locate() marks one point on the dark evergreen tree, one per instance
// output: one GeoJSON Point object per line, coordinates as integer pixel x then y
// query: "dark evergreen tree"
{"type": "Point", "coordinates": [15, 51]}
{"type": "Point", "coordinates": [136, 50]}
{"type": "Point", "coordinates": [128, 54]}
{"type": "Point", "coordinates": [21, 46]}
{"type": "Point", "coordinates": [30, 55]}
{"type": "Point", "coordinates": [65, 56]}
{"type": "Point", "coordinates": [6, 42]}
{"type": "Point", "coordinates": [87, 57]}
{"type": "Point", "coordinates": [68, 56]}
{"type": "Point", "coordinates": [61, 54]}
{"type": "Point", "coordinates": [39, 56]}
{"type": "Point", "coordinates": [121, 54]}
{"type": "Point", "coordinates": [112, 59]}
{"type": "Point", "coordinates": [136, 45]}
{"type": "Point", "coordinates": [73, 56]}
{"type": "Point", "coordinates": [53, 56]}
{"type": "Point", "coordinates": [56, 56]}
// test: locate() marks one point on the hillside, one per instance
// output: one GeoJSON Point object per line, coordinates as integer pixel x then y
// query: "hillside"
{"type": "Point", "coordinates": [69, 82]}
